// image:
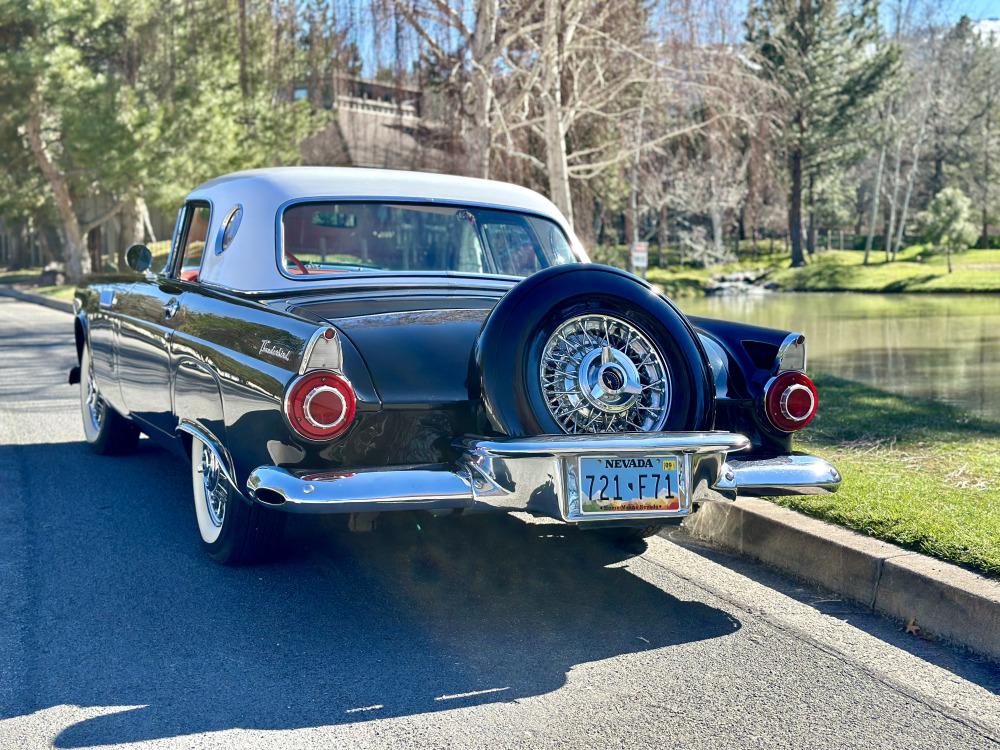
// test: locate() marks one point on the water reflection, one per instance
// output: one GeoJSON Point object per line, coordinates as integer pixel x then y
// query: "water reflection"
{"type": "Point", "coordinates": [945, 347]}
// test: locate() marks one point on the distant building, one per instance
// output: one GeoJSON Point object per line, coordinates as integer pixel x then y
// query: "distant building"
{"type": "Point", "coordinates": [988, 29]}
{"type": "Point", "coordinates": [378, 124]}
{"type": "Point", "coordinates": [373, 124]}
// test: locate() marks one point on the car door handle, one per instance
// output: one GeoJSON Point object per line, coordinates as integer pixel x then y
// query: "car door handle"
{"type": "Point", "coordinates": [170, 308]}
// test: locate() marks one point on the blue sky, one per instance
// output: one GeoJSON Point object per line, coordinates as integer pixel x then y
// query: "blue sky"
{"type": "Point", "coordinates": [975, 9]}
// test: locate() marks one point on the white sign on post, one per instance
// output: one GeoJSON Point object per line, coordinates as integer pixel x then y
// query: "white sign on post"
{"type": "Point", "coordinates": [640, 255]}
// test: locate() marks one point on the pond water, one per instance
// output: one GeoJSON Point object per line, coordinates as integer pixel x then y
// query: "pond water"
{"type": "Point", "coordinates": [945, 347]}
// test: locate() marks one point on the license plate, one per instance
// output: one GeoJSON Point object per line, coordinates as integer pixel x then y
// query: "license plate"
{"type": "Point", "coordinates": [613, 484]}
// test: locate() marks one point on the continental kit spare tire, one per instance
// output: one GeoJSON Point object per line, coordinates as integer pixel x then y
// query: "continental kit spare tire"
{"type": "Point", "coordinates": [588, 348]}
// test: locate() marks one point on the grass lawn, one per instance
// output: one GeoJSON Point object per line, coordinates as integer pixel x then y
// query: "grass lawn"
{"type": "Point", "coordinates": [917, 473]}
{"type": "Point", "coordinates": [915, 270]}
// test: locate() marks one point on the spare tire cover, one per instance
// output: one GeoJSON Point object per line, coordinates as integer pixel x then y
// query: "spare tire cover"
{"type": "Point", "coordinates": [582, 348]}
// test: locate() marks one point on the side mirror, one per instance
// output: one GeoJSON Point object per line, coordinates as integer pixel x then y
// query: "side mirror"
{"type": "Point", "coordinates": [139, 258]}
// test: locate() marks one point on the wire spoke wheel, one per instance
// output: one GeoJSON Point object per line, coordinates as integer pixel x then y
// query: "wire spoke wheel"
{"type": "Point", "coordinates": [213, 481]}
{"type": "Point", "coordinates": [92, 400]}
{"type": "Point", "coordinates": [600, 373]}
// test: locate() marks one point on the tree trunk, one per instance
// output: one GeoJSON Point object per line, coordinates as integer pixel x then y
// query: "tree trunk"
{"type": "Point", "coordinates": [876, 194]}
{"type": "Point", "coordinates": [483, 49]}
{"type": "Point", "coordinates": [555, 133]}
{"type": "Point", "coordinates": [718, 247]}
{"type": "Point", "coordinates": [633, 210]}
{"type": "Point", "coordinates": [662, 234]}
{"type": "Point", "coordinates": [795, 208]}
{"type": "Point", "coordinates": [890, 224]}
{"type": "Point", "coordinates": [811, 233]}
{"type": "Point", "coordinates": [244, 76]}
{"type": "Point", "coordinates": [75, 255]}
{"type": "Point", "coordinates": [910, 179]}
{"type": "Point", "coordinates": [134, 214]}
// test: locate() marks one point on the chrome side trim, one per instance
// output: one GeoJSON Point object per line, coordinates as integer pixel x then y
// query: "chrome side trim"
{"type": "Point", "coordinates": [795, 474]}
{"type": "Point", "coordinates": [791, 354]}
{"type": "Point", "coordinates": [221, 454]}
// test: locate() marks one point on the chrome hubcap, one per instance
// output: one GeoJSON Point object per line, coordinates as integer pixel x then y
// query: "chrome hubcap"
{"type": "Point", "coordinates": [216, 492]}
{"type": "Point", "coordinates": [599, 373]}
{"type": "Point", "coordinates": [94, 402]}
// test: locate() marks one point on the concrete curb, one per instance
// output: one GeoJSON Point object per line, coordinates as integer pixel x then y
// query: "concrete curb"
{"type": "Point", "coordinates": [38, 299]}
{"type": "Point", "coordinates": [943, 599]}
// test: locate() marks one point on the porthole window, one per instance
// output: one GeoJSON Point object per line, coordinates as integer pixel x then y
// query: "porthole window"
{"type": "Point", "coordinates": [230, 225]}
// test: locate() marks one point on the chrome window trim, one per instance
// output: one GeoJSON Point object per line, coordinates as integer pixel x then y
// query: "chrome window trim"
{"type": "Point", "coordinates": [279, 228]}
{"type": "Point", "coordinates": [176, 259]}
{"type": "Point", "coordinates": [174, 239]}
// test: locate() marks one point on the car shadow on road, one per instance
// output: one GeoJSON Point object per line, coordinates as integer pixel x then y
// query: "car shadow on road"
{"type": "Point", "coordinates": [423, 615]}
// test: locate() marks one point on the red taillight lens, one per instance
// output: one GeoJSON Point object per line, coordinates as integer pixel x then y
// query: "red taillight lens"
{"type": "Point", "coordinates": [320, 405]}
{"type": "Point", "coordinates": [790, 401]}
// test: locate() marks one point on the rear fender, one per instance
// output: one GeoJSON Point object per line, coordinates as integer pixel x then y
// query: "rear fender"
{"type": "Point", "coordinates": [197, 399]}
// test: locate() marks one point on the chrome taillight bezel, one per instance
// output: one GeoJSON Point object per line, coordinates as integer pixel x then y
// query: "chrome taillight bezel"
{"type": "Point", "coordinates": [299, 394]}
{"type": "Point", "coordinates": [777, 392]}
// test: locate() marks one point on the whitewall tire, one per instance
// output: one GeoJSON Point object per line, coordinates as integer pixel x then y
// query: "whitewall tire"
{"type": "Point", "coordinates": [104, 429]}
{"type": "Point", "coordinates": [232, 531]}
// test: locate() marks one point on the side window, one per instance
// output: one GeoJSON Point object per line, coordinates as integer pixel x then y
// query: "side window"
{"type": "Point", "coordinates": [514, 249]}
{"type": "Point", "coordinates": [162, 263]}
{"type": "Point", "coordinates": [192, 245]}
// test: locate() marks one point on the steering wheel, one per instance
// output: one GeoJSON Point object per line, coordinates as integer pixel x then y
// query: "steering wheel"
{"type": "Point", "coordinates": [298, 263]}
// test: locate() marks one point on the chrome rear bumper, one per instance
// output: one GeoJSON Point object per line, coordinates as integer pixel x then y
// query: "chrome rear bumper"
{"type": "Point", "coordinates": [540, 475]}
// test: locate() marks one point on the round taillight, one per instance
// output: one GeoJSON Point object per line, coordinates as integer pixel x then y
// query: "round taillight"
{"type": "Point", "coordinates": [320, 405]}
{"type": "Point", "coordinates": [790, 401]}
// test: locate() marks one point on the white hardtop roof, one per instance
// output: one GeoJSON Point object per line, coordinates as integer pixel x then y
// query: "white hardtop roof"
{"type": "Point", "coordinates": [250, 263]}
{"type": "Point", "coordinates": [291, 183]}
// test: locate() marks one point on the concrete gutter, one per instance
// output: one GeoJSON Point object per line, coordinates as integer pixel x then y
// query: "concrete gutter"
{"type": "Point", "coordinates": [942, 599]}
{"type": "Point", "coordinates": [38, 299]}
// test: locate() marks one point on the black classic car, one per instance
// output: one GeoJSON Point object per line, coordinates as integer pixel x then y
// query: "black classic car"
{"type": "Point", "coordinates": [358, 341]}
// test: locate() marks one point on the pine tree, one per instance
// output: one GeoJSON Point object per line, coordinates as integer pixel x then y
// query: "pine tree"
{"type": "Point", "coordinates": [828, 70]}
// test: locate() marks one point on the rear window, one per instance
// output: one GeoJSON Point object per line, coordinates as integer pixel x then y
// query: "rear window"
{"type": "Point", "coordinates": [320, 239]}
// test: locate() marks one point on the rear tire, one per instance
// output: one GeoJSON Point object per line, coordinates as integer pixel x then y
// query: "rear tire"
{"type": "Point", "coordinates": [510, 347]}
{"type": "Point", "coordinates": [233, 532]}
{"type": "Point", "coordinates": [106, 431]}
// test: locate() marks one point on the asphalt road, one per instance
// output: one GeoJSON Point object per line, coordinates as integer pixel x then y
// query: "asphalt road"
{"type": "Point", "coordinates": [483, 632]}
